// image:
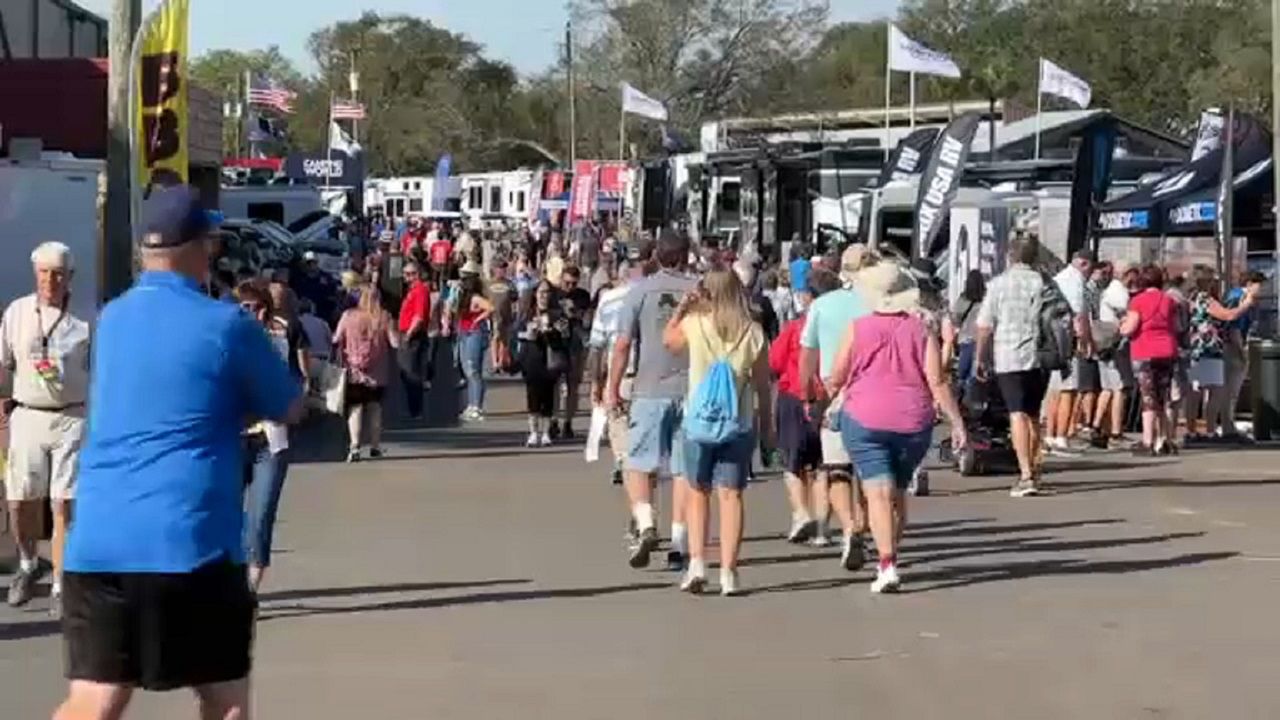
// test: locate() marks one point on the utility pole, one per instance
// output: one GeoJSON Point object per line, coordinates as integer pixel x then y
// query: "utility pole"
{"type": "Point", "coordinates": [573, 104]}
{"type": "Point", "coordinates": [1275, 120]}
{"type": "Point", "coordinates": [115, 246]}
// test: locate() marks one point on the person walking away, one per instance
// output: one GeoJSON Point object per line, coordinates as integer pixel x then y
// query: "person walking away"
{"type": "Point", "coordinates": [828, 318]}
{"type": "Point", "coordinates": [365, 340]}
{"type": "Point", "coordinates": [1064, 385]}
{"type": "Point", "coordinates": [1114, 368]}
{"type": "Point", "coordinates": [544, 357]}
{"type": "Point", "coordinates": [603, 335]}
{"type": "Point", "coordinates": [577, 308]}
{"type": "Point", "coordinates": [713, 324]}
{"type": "Point", "coordinates": [266, 447]}
{"type": "Point", "coordinates": [1235, 353]}
{"type": "Point", "coordinates": [319, 338]}
{"type": "Point", "coordinates": [890, 370]}
{"type": "Point", "coordinates": [502, 296]}
{"type": "Point", "coordinates": [1209, 328]}
{"type": "Point", "coordinates": [440, 255]}
{"type": "Point", "coordinates": [155, 593]}
{"type": "Point", "coordinates": [798, 440]}
{"type": "Point", "coordinates": [44, 351]}
{"type": "Point", "coordinates": [285, 304]}
{"type": "Point", "coordinates": [960, 329]}
{"type": "Point", "coordinates": [1152, 323]}
{"type": "Point", "coordinates": [657, 399]}
{"type": "Point", "coordinates": [474, 311]}
{"type": "Point", "coordinates": [784, 301]}
{"type": "Point", "coordinates": [415, 349]}
{"type": "Point", "coordinates": [1008, 332]}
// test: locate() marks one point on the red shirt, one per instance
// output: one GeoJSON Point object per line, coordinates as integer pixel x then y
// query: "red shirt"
{"type": "Point", "coordinates": [440, 251]}
{"type": "Point", "coordinates": [1157, 322]}
{"type": "Point", "coordinates": [784, 358]}
{"type": "Point", "coordinates": [412, 238]}
{"type": "Point", "coordinates": [415, 305]}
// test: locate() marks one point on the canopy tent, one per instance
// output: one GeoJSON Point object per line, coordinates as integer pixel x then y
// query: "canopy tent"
{"type": "Point", "coordinates": [1144, 212]}
{"type": "Point", "coordinates": [1195, 214]}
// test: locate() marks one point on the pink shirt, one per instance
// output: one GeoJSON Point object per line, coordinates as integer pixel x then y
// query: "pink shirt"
{"type": "Point", "coordinates": [366, 353]}
{"type": "Point", "coordinates": [1157, 324]}
{"type": "Point", "coordinates": [887, 388]}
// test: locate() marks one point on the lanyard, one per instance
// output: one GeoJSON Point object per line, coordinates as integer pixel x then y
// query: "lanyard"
{"type": "Point", "coordinates": [45, 336]}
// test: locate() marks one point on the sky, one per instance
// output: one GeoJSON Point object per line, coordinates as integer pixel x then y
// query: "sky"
{"type": "Point", "coordinates": [522, 32]}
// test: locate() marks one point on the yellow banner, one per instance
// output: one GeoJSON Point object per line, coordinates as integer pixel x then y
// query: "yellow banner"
{"type": "Point", "coordinates": [160, 114]}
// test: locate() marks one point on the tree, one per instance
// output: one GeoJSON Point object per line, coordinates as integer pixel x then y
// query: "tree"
{"type": "Point", "coordinates": [223, 71]}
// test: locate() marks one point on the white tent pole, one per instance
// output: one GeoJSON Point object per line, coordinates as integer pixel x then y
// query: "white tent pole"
{"type": "Point", "coordinates": [913, 101]}
{"type": "Point", "coordinates": [1039, 106]}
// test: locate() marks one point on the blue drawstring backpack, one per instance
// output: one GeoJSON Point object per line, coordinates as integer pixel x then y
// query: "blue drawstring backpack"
{"type": "Point", "coordinates": [712, 415]}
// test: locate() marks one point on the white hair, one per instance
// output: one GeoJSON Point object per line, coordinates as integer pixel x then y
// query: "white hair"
{"type": "Point", "coordinates": [53, 255]}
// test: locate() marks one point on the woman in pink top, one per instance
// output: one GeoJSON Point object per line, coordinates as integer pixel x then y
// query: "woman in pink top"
{"type": "Point", "coordinates": [364, 340]}
{"type": "Point", "coordinates": [889, 369]}
{"type": "Point", "coordinates": [1153, 325]}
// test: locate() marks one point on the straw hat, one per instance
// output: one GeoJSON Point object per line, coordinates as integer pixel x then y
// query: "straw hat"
{"type": "Point", "coordinates": [853, 260]}
{"type": "Point", "coordinates": [888, 288]}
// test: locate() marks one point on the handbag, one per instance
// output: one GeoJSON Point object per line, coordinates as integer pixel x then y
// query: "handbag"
{"type": "Point", "coordinates": [333, 387]}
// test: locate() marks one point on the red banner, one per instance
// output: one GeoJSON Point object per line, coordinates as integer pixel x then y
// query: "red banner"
{"type": "Point", "coordinates": [582, 200]}
{"type": "Point", "coordinates": [612, 178]}
{"type": "Point", "coordinates": [554, 185]}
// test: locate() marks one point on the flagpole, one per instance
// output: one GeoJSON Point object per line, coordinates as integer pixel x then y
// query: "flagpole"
{"type": "Point", "coordinates": [912, 121]}
{"type": "Point", "coordinates": [248, 83]}
{"type": "Point", "coordinates": [622, 136]}
{"type": "Point", "coordinates": [1039, 105]}
{"type": "Point", "coordinates": [888, 75]}
{"type": "Point", "coordinates": [328, 134]}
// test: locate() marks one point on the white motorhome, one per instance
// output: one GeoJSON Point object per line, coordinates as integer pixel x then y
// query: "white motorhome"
{"type": "Point", "coordinates": [279, 203]}
{"type": "Point", "coordinates": [400, 197]}
{"type": "Point", "coordinates": [50, 199]}
{"type": "Point", "coordinates": [504, 194]}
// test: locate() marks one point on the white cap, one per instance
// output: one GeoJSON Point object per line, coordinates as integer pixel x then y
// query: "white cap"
{"type": "Point", "coordinates": [53, 255]}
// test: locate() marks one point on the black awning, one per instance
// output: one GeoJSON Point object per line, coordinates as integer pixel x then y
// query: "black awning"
{"type": "Point", "coordinates": [1195, 214]}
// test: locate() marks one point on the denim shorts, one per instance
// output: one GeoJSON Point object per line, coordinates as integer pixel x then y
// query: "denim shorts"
{"type": "Point", "coordinates": [883, 456]}
{"type": "Point", "coordinates": [654, 435]}
{"type": "Point", "coordinates": [727, 465]}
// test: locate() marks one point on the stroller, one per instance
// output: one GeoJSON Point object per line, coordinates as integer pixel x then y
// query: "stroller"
{"type": "Point", "coordinates": [990, 449]}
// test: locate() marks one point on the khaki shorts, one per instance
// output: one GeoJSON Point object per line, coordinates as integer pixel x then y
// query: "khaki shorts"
{"type": "Point", "coordinates": [44, 448]}
{"type": "Point", "coordinates": [619, 423]}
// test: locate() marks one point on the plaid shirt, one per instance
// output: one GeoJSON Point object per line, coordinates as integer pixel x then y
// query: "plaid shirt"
{"type": "Point", "coordinates": [1010, 308]}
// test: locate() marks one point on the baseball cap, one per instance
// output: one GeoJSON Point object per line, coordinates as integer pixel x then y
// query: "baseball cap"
{"type": "Point", "coordinates": [174, 216]}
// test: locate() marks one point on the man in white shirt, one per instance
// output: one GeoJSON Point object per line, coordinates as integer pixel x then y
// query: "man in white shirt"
{"type": "Point", "coordinates": [1113, 368]}
{"type": "Point", "coordinates": [1064, 386]}
{"type": "Point", "coordinates": [44, 351]}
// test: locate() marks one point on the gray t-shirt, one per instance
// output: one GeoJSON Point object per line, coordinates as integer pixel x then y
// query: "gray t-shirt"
{"type": "Point", "coordinates": [648, 308]}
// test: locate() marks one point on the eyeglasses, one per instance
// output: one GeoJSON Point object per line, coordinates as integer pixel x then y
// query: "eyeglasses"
{"type": "Point", "coordinates": [251, 307]}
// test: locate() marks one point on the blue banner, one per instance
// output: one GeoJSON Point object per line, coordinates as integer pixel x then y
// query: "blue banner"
{"type": "Point", "coordinates": [440, 188]}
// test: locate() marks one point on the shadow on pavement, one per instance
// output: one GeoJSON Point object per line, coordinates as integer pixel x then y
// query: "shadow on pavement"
{"type": "Point", "coordinates": [1009, 529]}
{"type": "Point", "coordinates": [964, 575]}
{"type": "Point", "coordinates": [1030, 545]}
{"type": "Point", "coordinates": [469, 599]}
{"type": "Point", "coordinates": [25, 631]}
{"type": "Point", "coordinates": [313, 593]}
{"type": "Point", "coordinates": [1104, 485]}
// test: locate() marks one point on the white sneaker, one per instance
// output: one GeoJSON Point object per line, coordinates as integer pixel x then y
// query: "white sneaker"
{"type": "Point", "coordinates": [532, 442]}
{"type": "Point", "coordinates": [853, 555]}
{"type": "Point", "coordinates": [802, 530]}
{"type": "Point", "coordinates": [887, 580]}
{"type": "Point", "coordinates": [694, 582]}
{"type": "Point", "coordinates": [729, 583]}
{"type": "Point", "coordinates": [544, 440]}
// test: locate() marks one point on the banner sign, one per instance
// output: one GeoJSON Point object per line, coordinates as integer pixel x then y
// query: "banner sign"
{"type": "Point", "coordinates": [160, 108]}
{"type": "Point", "coordinates": [908, 157]}
{"type": "Point", "coordinates": [340, 169]}
{"type": "Point", "coordinates": [582, 199]}
{"type": "Point", "coordinates": [612, 179]}
{"type": "Point", "coordinates": [1125, 220]}
{"type": "Point", "coordinates": [1091, 178]}
{"type": "Point", "coordinates": [1193, 213]}
{"type": "Point", "coordinates": [555, 185]}
{"type": "Point", "coordinates": [941, 180]}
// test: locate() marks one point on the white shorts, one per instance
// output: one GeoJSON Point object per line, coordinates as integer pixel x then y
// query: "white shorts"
{"type": "Point", "coordinates": [834, 453]}
{"type": "Point", "coordinates": [1207, 373]}
{"type": "Point", "coordinates": [44, 448]}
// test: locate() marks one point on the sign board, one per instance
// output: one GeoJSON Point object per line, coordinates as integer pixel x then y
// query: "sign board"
{"type": "Point", "coordinates": [340, 169]}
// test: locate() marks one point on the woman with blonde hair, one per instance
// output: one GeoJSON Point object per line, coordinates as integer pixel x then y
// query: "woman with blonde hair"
{"type": "Point", "coordinates": [364, 341]}
{"type": "Point", "coordinates": [714, 324]}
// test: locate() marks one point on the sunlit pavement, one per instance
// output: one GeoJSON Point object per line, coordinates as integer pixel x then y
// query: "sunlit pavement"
{"type": "Point", "coordinates": [465, 577]}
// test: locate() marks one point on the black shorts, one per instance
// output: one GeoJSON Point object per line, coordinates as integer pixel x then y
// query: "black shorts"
{"type": "Point", "coordinates": [798, 440]}
{"type": "Point", "coordinates": [1023, 392]}
{"type": "Point", "coordinates": [159, 631]}
{"type": "Point", "coordinates": [360, 394]}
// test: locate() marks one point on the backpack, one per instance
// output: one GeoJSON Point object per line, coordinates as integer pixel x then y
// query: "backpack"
{"type": "Point", "coordinates": [712, 415]}
{"type": "Point", "coordinates": [1055, 330]}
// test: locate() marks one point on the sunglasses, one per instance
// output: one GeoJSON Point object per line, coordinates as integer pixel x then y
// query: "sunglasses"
{"type": "Point", "coordinates": [252, 308]}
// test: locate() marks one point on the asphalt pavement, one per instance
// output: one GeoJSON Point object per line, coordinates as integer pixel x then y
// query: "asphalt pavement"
{"type": "Point", "coordinates": [467, 577]}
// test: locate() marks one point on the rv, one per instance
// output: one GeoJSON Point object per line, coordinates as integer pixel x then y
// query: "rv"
{"type": "Point", "coordinates": [278, 203]}
{"type": "Point", "coordinates": [400, 197]}
{"type": "Point", "coordinates": [489, 196]}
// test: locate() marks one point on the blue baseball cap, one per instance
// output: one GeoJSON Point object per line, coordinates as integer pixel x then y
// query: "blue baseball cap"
{"type": "Point", "coordinates": [174, 216]}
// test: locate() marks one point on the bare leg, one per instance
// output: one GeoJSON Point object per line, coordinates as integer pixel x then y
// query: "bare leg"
{"type": "Point", "coordinates": [1149, 431]}
{"type": "Point", "coordinates": [1118, 405]}
{"type": "Point", "coordinates": [821, 502]}
{"type": "Point", "coordinates": [798, 495]}
{"type": "Point", "coordinates": [375, 425]}
{"type": "Point", "coordinates": [731, 520]}
{"type": "Point", "coordinates": [699, 508]}
{"type": "Point", "coordinates": [1100, 421]}
{"type": "Point", "coordinates": [639, 488]}
{"type": "Point", "coordinates": [355, 424]}
{"type": "Point", "coordinates": [61, 521]}
{"type": "Point", "coordinates": [880, 506]}
{"type": "Point", "coordinates": [899, 516]}
{"type": "Point", "coordinates": [1064, 414]}
{"type": "Point", "coordinates": [224, 701]}
{"type": "Point", "coordinates": [94, 701]}
{"type": "Point", "coordinates": [24, 517]}
{"type": "Point", "coordinates": [1051, 413]}
{"type": "Point", "coordinates": [679, 501]}
{"type": "Point", "coordinates": [1020, 426]}
{"type": "Point", "coordinates": [842, 503]}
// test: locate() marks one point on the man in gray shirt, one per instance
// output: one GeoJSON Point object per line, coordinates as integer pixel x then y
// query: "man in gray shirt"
{"type": "Point", "coordinates": [657, 397]}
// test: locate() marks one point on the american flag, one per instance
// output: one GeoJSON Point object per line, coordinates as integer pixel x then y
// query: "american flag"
{"type": "Point", "coordinates": [267, 92]}
{"type": "Point", "coordinates": [348, 110]}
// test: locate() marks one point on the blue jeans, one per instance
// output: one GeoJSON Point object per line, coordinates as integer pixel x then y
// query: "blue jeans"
{"type": "Point", "coordinates": [883, 457]}
{"type": "Point", "coordinates": [262, 501]}
{"type": "Point", "coordinates": [727, 465]}
{"type": "Point", "coordinates": [472, 347]}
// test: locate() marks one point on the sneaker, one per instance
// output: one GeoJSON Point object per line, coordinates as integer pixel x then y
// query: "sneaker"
{"type": "Point", "coordinates": [545, 440]}
{"type": "Point", "coordinates": [534, 440]}
{"type": "Point", "coordinates": [887, 580]}
{"type": "Point", "coordinates": [729, 583]}
{"type": "Point", "coordinates": [1062, 450]}
{"type": "Point", "coordinates": [647, 544]}
{"type": "Point", "coordinates": [375, 453]}
{"type": "Point", "coordinates": [919, 486]}
{"type": "Point", "coordinates": [820, 541]}
{"type": "Point", "coordinates": [1024, 487]}
{"type": "Point", "coordinates": [568, 433]}
{"type": "Point", "coordinates": [802, 531]}
{"type": "Point", "coordinates": [353, 456]}
{"type": "Point", "coordinates": [554, 432]}
{"type": "Point", "coordinates": [21, 587]}
{"type": "Point", "coordinates": [693, 583]}
{"type": "Point", "coordinates": [676, 561]}
{"type": "Point", "coordinates": [1099, 441]}
{"type": "Point", "coordinates": [55, 606]}
{"type": "Point", "coordinates": [854, 555]}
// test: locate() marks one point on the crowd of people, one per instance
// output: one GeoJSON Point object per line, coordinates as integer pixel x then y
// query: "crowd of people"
{"type": "Point", "coordinates": [702, 364]}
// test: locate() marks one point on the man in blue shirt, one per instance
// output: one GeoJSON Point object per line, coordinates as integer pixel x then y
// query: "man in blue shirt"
{"type": "Point", "coordinates": [156, 594]}
{"type": "Point", "coordinates": [799, 268]}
